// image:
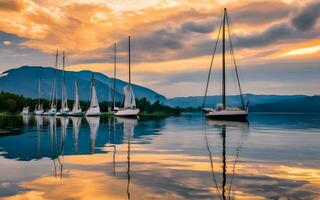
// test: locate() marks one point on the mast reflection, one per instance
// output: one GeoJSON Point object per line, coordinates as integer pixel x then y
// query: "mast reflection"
{"type": "Point", "coordinates": [39, 125]}
{"type": "Point", "coordinates": [225, 190]}
{"type": "Point", "coordinates": [76, 121]}
{"type": "Point", "coordinates": [128, 132]}
{"type": "Point", "coordinates": [94, 126]}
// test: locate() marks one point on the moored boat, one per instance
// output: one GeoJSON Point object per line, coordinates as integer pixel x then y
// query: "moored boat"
{"type": "Point", "coordinates": [129, 108]}
{"type": "Point", "coordinates": [94, 109]}
{"type": "Point", "coordinates": [222, 111]}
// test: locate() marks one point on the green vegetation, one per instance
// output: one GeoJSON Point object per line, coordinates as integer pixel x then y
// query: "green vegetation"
{"type": "Point", "coordinates": [12, 104]}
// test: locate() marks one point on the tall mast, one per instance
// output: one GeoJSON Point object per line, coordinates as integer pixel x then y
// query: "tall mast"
{"type": "Point", "coordinates": [63, 82]}
{"type": "Point", "coordinates": [129, 63]}
{"type": "Point", "coordinates": [54, 82]}
{"type": "Point", "coordinates": [39, 90]}
{"type": "Point", "coordinates": [224, 62]}
{"type": "Point", "coordinates": [114, 76]}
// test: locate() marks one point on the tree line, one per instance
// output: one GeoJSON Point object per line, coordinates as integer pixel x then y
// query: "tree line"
{"type": "Point", "coordinates": [13, 103]}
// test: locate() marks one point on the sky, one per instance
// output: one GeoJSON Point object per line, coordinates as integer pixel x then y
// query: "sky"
{"type": "Point", "coordinates": [276, 43]}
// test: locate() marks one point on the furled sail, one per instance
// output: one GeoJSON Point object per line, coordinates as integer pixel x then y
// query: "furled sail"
{"type": "Point", "coordinates": [129, 100]}
{"type": "Point", "coordinates": [76, 105]}
{"type": "Point", "coordinates": [94, 99]}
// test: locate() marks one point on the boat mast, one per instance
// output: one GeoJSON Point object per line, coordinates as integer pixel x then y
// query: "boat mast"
{"type": "Point", "coordinates": [39, 90]}
{"type": "Point", "coordinates": [114, 76]}
{"type": "Point", "coordinates": [129, 63]}
{"type": "Point", "coordinates": [63, 82]}
{"type": "Point", "coordinates": [53, 103]}
{"type": "Point", "coordinates": [223, 62]}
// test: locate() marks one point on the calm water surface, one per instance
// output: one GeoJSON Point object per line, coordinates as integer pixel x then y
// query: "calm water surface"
{"type": "Point", "coordinates": [187, 157]}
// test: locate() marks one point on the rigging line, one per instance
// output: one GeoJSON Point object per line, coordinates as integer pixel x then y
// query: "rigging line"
{"type": "Point", "coordinates": [234, 62]}
{"type": "Point", "coordinates": [234, 164]}
{"type": "Point", "coordinates": [210, 68]}
{"type": "Point", "coordinates": [211, 161]}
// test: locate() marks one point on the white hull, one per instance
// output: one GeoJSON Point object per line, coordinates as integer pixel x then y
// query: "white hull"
{"type": "Point", "coordinates": [51, 112]}
{"type": "Point", "coordinates": [127, 112]}
{"type": "Point", "coordinates": [238, 115]}
{"type": "Point", "coordinates": [93, 111]}
{"type": "Point", "coordinates": [39, 112]}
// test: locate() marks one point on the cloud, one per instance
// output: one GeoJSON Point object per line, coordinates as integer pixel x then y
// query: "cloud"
{"type": "Point", "coordinates": [12, 5]}
{"type": "Point", "coordinates": [206, 26]}
{"type": "Point", "coordinates": [307, 17]}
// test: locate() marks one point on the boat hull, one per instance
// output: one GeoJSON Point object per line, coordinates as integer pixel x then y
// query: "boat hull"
{"type": "Point", "coordinates": [38, 112]}
{"type": "Point", "coordinates": [228, 115]}
{"type": "Point", "coordinates": [128, 112]}
{"type": "Point", "coordinates": [93, 112]}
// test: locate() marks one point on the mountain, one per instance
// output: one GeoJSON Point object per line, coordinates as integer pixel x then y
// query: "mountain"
{"type": "Point", "coordinates": [211, 101]}
{"type": "Point", "coordinates": [24, 81]}
{"type": "Point", "coordinates": [308, 104]}
{"type": "Point", "coordinates": [258, 103]}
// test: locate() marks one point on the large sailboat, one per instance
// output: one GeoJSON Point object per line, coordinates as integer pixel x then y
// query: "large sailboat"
{"type": "Point", "coordinates": [76, 109]}
{"type": "Point", "coordinates": [94, 109]}
{"type": "Point", "coordinates": [129, 109]}
{"type": "Point", "coordinates": [39, 107]}
{"type": "Point", "coordinates": [53, 105]}
{"type": "Point", "coordinates": [64, 102]}
{"type": "Point", "coordinates": [222, 111]}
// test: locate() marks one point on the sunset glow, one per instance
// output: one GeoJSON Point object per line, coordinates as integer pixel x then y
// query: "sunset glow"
{"type": "Point", "coordinates": [171, 38]}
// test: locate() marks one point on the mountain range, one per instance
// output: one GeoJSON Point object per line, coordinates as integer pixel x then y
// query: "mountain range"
{"type": "Point", "coordinates": [24, 81]}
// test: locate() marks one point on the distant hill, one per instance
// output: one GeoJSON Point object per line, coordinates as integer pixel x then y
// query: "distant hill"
{"type": "Point", "coordinates": [24, 81]}
{"type": "Point", "coordinates": [258, 103]}
{"type": "Point", "coordinates": [300, 105]}
{"type": "Point", "coordinates": [211, 101]}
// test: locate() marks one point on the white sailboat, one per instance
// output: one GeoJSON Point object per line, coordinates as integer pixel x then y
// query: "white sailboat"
{"type": "Point", "coordinates": [25, 110]}
{"type": "Point", "coordinates": [129, 109]}
{"type": "Point", "coordinates": [39, 107]}
{"type": "Point", "coordinates": [76, 109]}
{"type": "Point", "coordinates": [94, 109]}
{"type": "Point", "coordinates": [64, 102]}
{"type": "Point", "coordinates": [53, 106]}
{"type": "Point", "coordinates": [222, 111]}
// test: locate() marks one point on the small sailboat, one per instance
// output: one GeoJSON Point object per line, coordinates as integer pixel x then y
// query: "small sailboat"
{"type": "Point", "coordinates": [222, 111]}
{"type": "Point", "coordinates": [94, 109]}
{"type": "Point", "coordinates": [76, 109]}
{"type": "Point", "coordinates": [25, 110]}
{"type": "Point", "coordinates": [39, 107]}
{"type": "Point", "coordinates": [64, 102]}
{"type": "Point", "coordinates": [53, 105]}
{"type": "Point", "coordinates": [129, 109]}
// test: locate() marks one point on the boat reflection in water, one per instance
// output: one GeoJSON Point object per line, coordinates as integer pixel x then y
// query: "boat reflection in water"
{"type": "Point", "coordinates": [174, 158]}
{"type": "Point", "coordinates": [128, 132]}
{"type": "Point", "coordinates": [76, 122]}
{"type": "Point", "coordinates": [224, 190]}
{"type": "Point", "coordinates": [94, 126]}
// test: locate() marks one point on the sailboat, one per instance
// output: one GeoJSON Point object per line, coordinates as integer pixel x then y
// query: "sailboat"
{"type": "Point", "coordinates": [94, 109]}
{"type": "Point", "coordinates": [53, 105]}
{"type": "Point", "coordinates": [129, 109]}
{"type": "Point", "coordinates": [25, 110]}
{"type": "Point", "coordinates": [222, 111]}
{"type": "Point", "coordinates": [76, 109]}
{"type": "Point", "coordinates": [64, 104]}
{"type": "Point", "coordinates": [39, 107]}
{"type": "Point", "coordinates": [114, 107]}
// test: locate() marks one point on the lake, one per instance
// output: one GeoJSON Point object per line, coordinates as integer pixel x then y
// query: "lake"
{"type": "Point", "coordinates": [275, 156]}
